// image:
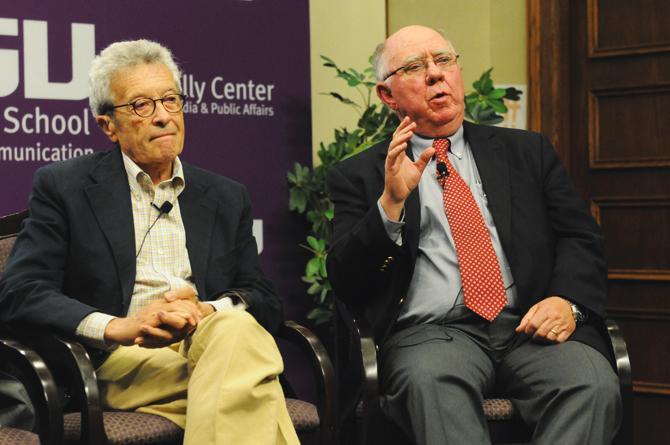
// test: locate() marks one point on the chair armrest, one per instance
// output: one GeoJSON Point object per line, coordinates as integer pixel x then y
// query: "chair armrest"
{"type": "Point", "coordinates": [25, 365]}
{"type": "Point", "coordinates": [72, 367]}
{"type": "Point", "coordinates": [361, 359]}
{"type": "Point", "coordinates": [623, 369]}
{"type": "Point", "coordinates": [368, 348]}
{"type": "Point", "coordinates": [324, 374]}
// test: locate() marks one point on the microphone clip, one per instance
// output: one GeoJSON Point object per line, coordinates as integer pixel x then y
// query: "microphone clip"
{"type": "Point", "coordinates": [164, 208]}
{"type": "Point", "coordinates": [442, 171]}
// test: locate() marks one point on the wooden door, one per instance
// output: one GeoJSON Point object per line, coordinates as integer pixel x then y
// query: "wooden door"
{"type": "Point", "coordinates": [600, 86]}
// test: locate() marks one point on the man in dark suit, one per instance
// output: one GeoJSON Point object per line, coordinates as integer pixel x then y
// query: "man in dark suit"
{"type": "Point", "coordinates": [476, 262]}
{"type": "Point", "coordinates": [151, 262]}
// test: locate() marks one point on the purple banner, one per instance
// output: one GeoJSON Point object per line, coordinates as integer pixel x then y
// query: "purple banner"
{"type": "Point", "coordinates": [246, 73]}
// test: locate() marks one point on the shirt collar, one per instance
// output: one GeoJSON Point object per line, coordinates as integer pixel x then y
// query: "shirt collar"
{"type": "Point", "coordinates": [140, 181]}
{"type": "Point", "coordinates": [420, 143]}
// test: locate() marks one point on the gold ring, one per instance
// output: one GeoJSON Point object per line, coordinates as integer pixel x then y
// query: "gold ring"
{"type": "Point", "coordinates": [553, 331]}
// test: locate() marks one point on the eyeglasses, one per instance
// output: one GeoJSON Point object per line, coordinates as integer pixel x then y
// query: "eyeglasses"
{"type": "Point", "coordinates": [145, 107]}
{"type": "Point", "coordinates": [418, 67]}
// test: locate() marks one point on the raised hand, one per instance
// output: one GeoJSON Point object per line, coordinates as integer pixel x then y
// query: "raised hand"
{"type": "Point", "coordinates": [401, 174]}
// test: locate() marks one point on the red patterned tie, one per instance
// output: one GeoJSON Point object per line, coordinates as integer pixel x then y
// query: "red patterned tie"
{"type": "Point", "coordinates": [483, 289]}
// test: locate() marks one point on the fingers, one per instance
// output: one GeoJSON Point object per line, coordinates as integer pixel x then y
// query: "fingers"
{"type": "Point", "coordinates": [174, 327]}
{"type": "Point", "coordinates": [424, 158]}
{"type": "Point", "coordinates": [564, 336]}
{"type": "Point", "coordinates": [404, 124]}
{"type": "Point", "coordinates": [558, 334]}
{"type": "Point", "coordinates": [152, 337]}
{"type": "Point", "coordinates": [188, 307]}
{"type": "Point", "coordinates": [177, 320]}
{"type": "Point", "coordinates": [526, 319]}
{"type": "Point", "coordinates": [551, 320]}
{"type": "Point", "coordinates": [183, 293]}
{"type": "Point", "coordinates": [404, 131]}
{"type": "Point", "coordinates": [550, 329]}
{"type": "Point", "coordinates": [398, 144]}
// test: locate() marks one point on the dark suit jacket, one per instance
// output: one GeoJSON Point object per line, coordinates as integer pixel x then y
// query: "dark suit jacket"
{"type": "Point", "coordinates": [553, 245]}
{"type": "Point", "coordinates": [76, 251]}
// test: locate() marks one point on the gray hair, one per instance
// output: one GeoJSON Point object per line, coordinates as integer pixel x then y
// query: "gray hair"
{"type": "Point", "coordinates": [380, 64]}
{"type": "Point", "coordinates": [119, 56]}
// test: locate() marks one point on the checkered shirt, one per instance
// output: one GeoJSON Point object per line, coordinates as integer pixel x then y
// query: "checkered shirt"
{"type": "Point", "coordinates": [162, 263]}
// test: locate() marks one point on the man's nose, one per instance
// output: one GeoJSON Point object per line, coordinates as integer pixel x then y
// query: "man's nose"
{"type": "Point", "coordinates": [433, 73]}
{"type": "Point", "coordinates": [161, 115]}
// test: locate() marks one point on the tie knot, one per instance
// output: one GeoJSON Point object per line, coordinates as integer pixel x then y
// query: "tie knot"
{"type": "Point", "coordinates": [441, 148]}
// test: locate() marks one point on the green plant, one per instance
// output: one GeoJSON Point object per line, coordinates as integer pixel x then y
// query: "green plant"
{"type": "Point", "coordinates": [485, 104]}
{"type": "Point", "coordinates": [307, 186]}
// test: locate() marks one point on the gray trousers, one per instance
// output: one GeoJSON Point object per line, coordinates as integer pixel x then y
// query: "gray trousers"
{"type": "Point", "coordinates": [434, 378]}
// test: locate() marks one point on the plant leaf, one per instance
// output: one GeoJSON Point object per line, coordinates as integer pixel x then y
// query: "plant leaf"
{"type": "Point", "coordinates": [297, 200]}
{"type": "Point", "coordinates": [344, 100]}
{"type": "Point", "coordinates": [312, 267]}
{"type": "Point", "coordinates": [497, 93]}
{"type": "Point", "coordinates": [497, 105]}
{"type": "Point", "coordinates": [313, 243]}
{"type": "Point", "coordinates": [492, 120]}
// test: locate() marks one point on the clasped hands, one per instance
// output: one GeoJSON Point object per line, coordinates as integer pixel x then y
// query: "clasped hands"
{"type": "Point", "coordinates": [160, 323]}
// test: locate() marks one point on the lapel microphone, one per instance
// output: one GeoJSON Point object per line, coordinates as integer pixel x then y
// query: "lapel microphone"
{"type": "Point", "coordinates": [164, 209]}
{"type": "Point", "coordinates": [442, 171]}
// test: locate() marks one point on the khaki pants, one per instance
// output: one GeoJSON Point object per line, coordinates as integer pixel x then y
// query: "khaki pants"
{"type": "Point", "coordinates": [228, 368]}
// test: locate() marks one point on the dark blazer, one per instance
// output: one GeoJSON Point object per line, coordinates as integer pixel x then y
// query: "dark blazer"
{"type": "Point", "coordinates": [553, 245]}
{"type": "Point", "coordinates": [76, 251]}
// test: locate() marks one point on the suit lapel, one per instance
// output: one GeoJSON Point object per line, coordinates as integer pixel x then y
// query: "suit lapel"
{"type": "Point", "coordinates": [493, 166]}
{"type": "Point", "coordinates": [412, 218]}
{"type": "Point", "coordinates": [109, 197]}
{"type": "Point", "coordinates": [198, 212]}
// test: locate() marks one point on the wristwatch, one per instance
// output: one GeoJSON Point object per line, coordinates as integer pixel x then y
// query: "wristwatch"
{"type": "Point", "coordinates": [580, 317]}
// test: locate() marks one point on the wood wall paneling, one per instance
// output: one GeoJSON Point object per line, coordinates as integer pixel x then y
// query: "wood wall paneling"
{"type": "Point", "coordinates": [652, 375]}
{"type": "Point", "coordinates": [611, 110]}
{"type": "Point", "coordinates": [599, 87]}
{"type": "Point", "coordinates": [630, 295]}
{"type": "Point", "coordinates": [548, 73]}
{"type": "Point", "coordinates": [627, 223]}
{"type": "Point", "coordinates": [649, 409]}
{"type": "Point", "coordinates": [625, 27]}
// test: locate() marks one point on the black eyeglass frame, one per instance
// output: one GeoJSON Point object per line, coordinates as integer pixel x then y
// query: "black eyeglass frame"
{"type": "Point", "coordinates": [183, 97]}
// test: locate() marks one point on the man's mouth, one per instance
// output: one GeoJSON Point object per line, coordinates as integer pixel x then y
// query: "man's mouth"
{"type": "Point", "coordinates": [439, 96]}
{"type": "Point", "coordinates": [161, 136]}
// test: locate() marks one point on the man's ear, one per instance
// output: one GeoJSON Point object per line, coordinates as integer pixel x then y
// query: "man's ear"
{"type": "Point", "coordinates": [107, 125]}
{"type": "Point", "coordinates": [385, 95]}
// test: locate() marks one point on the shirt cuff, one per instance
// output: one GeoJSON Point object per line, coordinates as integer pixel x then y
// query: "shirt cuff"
{"type": "Point", "coordinates": [226, 303]}
{"type": "Point", "coordinates": [393, 228]}
{"type": "Point", "coordinates": [91, 330]}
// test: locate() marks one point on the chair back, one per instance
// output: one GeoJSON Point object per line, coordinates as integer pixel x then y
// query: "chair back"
{"type": "Point", "coordinates": [20, 364]}
{"type": "Point", "coordinates": [10, 226]}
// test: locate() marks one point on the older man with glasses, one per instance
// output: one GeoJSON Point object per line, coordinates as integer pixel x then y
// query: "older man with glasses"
{"type": "Point", "coordinates": [151, 262]}
{"type": "Point", "coordinates": [475, 260]}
